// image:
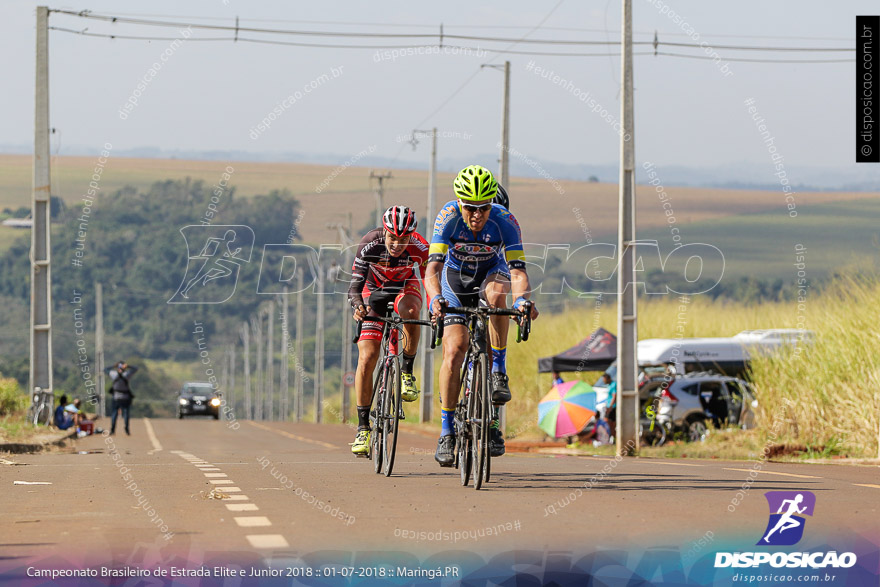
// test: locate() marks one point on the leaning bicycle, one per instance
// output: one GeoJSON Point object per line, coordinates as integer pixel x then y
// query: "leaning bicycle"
{"type": "Point", "coordinates": [388, 411]}
{"type": "Point", "coordinates": [40, 410]}
{"type": "Point", "coordinates": [474, 412]}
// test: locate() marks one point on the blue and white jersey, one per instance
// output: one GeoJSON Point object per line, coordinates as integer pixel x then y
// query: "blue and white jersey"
{"type": "Point", "coordinates": [455, 243]}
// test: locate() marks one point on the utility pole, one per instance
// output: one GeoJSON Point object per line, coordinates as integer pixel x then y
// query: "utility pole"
{"type": "Point", "coordinates": [257, 330]}
{"type": "Point", "coordinates": [426, 411]}
{"type": "Point", "coordinates": [270, 360]}
{"type": "Point", "coordinates": [627, 323]}
{"type": "Point", "coordinates": [504, 170]}
{"type": "Point", "coordinates": [319, 347]}
{"type": "Point", "coordinates": [224, 373]}
{"type": "Point", "coordinates": [298, 401]}
{"type": "Point", "coordinates": [231, 393]}
{"type": "Point", "coordinates": [245, 332]}
{"type": "Point", "coordinates": [99, 348]}
{"type": "Point", "coordinates": [285, 361]}
{"type": "Point", "coordinates": [345, 239]}
{"type": "Point", "coordinates": [41, 251]}
{"type": "Point", "coordinates": [380, 194]}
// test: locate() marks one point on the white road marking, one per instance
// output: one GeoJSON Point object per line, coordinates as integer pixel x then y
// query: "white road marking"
{"type": "Point", "coordinates": [241, 507]}
{"type": "Point", "coordinates": [267, 541]}
{"type": "Point", "coordinates": [293, 436]}
{"type": "Point", "coordinates": [867, 485]}
{"type": "Point", "coordinates": [252, 521]}
{"type": "Point", "coordinates": [775, 473]}
{"type": "Point", "coordinates": [255, 540]}
{"type": "Point", "coordinates": [152, 435]}
{"type": "Point", "coordinates": [650, 462]}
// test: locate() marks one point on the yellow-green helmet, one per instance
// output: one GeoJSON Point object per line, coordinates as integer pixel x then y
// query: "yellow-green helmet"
{"type": "Point", "coordinates": [475, 184]}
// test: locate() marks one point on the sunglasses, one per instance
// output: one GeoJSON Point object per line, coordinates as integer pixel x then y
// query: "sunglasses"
{"type": "Point", "coordinates": [472, 209]}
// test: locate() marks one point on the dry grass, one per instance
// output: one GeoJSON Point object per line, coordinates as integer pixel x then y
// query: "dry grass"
{"type": "Point", "coordinates": [825, 396]}
{"type": "Point", "coordinates": [546, 215]}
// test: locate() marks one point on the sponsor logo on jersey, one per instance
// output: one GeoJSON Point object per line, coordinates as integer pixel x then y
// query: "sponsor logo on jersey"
{"type": "Point", "coordinates": [445, 214]}
{"type": "Point", "coordinates": [474, 249]}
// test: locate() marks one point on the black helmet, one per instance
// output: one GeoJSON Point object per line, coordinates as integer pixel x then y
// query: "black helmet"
{"type": "Point", "coordinates": [501, 197]}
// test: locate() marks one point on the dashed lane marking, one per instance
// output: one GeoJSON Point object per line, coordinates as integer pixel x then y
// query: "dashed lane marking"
{"type": "Point", "coordinates": [252, 521]}
{"type": "Point", "coordinates": [267, 541]}
{"type": "Point", "coordinates": [242, 507]}
{"type": "Point", "coordinates": [234, 494]}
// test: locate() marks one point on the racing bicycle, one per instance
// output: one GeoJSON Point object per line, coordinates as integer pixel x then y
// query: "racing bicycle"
{"type": "Point", "coordinates": [474, 413]}
{"type": "Point", "coordinates": [388, 411]}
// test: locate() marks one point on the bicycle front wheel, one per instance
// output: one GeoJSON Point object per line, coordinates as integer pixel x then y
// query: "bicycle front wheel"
{"type": "Point", "coordinates": [43, 415]}
{"type": "Point", "coordinates": [376, 426]}
{"type": "Point", "coordinates": [480, 417]}
{"type": "Point", "coordinates": [391, 417]}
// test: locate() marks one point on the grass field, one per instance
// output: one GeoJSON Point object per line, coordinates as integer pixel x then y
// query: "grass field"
{"type": "Point", "coordinates": [546, 216]}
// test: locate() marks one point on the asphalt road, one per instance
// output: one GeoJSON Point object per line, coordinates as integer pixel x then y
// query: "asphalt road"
{"type": "Point", "coordinates": [295, 488]}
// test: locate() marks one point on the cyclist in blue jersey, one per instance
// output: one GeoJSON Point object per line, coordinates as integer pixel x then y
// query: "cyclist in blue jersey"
{"type": "Point", "coordinates": [476, 253]}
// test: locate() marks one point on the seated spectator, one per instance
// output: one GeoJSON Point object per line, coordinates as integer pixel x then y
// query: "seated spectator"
{"type": "Point", "coordinates": [84, 425]}
{"type": "Point", "coordinates": [63, 419]}
{"type": "Point", "coordinates": [557, 378]}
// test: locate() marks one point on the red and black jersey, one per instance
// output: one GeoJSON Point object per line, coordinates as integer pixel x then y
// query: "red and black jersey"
{"type": "Point", "coordinates": [375, 269]}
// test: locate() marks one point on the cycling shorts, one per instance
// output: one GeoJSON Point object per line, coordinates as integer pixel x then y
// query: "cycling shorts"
{"type": "Point", "coordinates": [465, 291]}
{"type": "Point", "coordinates": [378, 301]}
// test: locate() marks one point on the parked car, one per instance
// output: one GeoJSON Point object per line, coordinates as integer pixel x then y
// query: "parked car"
{"type": "Point", "coordinates": [691, 402]}
{"type": "Point", "coordinates": [198, 398]}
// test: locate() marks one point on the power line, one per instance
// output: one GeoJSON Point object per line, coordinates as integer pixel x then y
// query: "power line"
{"type": "Point", "coordinates": [474, 26]}
{"type": "Point", "coordinates": [458, 47]}
{"type": "Point", "coordinates": [237, 29]}
{"type": "Point", "coordinates": [746, 60]}
{"type": "Point", "coordinates": [332, 46]}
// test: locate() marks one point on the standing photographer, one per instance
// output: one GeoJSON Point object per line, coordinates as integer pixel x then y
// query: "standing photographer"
{"type": "Point", "coordinates": [121, 390]}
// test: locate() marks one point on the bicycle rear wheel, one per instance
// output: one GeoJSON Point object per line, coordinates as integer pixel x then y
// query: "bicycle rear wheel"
{"type": "Point", "coordinates": [463, 445]}
{"type": "Point", "coordinates": [480, 416]}
{"type": "Point", "coordinates": [391, 416]}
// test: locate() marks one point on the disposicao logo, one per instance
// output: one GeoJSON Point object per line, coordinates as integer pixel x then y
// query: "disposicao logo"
{"type": "Point", "coordinates": [786, 528]}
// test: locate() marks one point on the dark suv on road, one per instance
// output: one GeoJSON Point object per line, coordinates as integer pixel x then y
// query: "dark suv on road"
{"type": "Point", "coordinates": [198, 399]}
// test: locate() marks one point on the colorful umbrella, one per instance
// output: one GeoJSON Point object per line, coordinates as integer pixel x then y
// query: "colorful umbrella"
{"type": "Point", "coordinates": [567, 408]}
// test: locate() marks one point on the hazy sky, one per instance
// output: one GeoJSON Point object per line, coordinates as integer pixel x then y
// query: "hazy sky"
{"type": "Point", "coordinates": [209, 95]}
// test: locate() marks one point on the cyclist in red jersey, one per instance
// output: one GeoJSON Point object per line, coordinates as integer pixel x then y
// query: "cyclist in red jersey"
{"type": "Point", "coordinates": [383, 272]}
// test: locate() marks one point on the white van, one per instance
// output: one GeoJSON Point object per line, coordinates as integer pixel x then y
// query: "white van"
{"type": "Point", "coordinates": [726, 356]}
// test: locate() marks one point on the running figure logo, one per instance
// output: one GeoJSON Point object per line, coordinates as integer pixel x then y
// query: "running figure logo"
{"type": "Point", "coordinates": [786, 526]}
{"type": "Point", "coordinates": [212, 274]}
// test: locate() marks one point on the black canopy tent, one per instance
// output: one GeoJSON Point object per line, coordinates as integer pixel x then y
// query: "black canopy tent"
{"type": "Point", "coordinates": [594, 353]}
